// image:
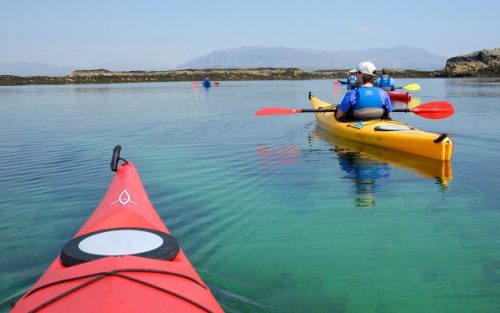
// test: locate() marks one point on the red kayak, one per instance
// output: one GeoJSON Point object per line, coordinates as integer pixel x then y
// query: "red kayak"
{"type": "Point", "coordinates": [123, 259]}
{"type": "Point", "coordinates": [399, 96]}
{"type": "Point", "coordinates": [396, 96]}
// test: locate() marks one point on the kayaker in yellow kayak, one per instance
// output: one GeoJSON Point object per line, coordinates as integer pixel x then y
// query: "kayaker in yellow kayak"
{"type": "Point", "coordinates": [367, 101]}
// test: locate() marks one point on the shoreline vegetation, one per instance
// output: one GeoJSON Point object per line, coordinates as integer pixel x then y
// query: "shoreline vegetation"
{"type": "Point", "coordinates": [103, 76]}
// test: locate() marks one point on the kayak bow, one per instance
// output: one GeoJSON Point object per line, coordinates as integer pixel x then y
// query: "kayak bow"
{"type": "Point", "coordinates": [123, 259]}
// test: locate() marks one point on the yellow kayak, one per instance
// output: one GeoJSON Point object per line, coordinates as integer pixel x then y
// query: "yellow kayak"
{"type": "Point", "coordinates": [385, 133]}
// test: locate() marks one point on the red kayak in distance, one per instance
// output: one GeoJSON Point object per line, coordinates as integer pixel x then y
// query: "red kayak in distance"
{"type": "Point", "coordinates": [399, 96]}
{"type": "Point", "coordinates": [123, 259]}
{"type": "Point", "coordinates": [396, 96]}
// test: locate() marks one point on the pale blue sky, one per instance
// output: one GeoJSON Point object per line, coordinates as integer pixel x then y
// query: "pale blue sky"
{"type": "Point", "coordinates": [168, 33]}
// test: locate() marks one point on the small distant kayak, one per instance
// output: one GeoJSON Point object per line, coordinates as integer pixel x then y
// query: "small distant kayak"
{"type": "Point", "coordinates": [123, 259]}
{"type": "Point", "coordinates": [207, 83]}
{"type": "Point", "coordinates": [385, 133]}
{"type": "Point", "coordinates": [399, 96]}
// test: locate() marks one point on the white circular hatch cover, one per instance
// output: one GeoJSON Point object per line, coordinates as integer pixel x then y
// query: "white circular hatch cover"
{"type": "Point", "coordinates": [120, 242]}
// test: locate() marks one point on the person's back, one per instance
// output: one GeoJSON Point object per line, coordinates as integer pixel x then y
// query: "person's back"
{"type": "Point", "coordinates": [351, 82]}
{"type": "Point", "coordinates": [385, 81]}
{"type": "Point", "coordinates": [367, 101]}
{"type": "Point", "coordinates": [206, 82]}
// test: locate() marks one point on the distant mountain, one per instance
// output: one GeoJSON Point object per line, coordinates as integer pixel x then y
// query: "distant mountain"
{"type": "Point", "coordinates": [132, 65]}
{"type": "Point", "coordinates": [42, 69]}
{"type": "Point", "coordinates": [401, 57]}
{"type": "Point", "coordinates": [34, 69]}
{"type": "Point", "coordinates": [307, 59]}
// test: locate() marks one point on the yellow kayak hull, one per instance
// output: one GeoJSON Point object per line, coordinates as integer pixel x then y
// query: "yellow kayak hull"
{"type": "Point", "coordinates": [386, 133]}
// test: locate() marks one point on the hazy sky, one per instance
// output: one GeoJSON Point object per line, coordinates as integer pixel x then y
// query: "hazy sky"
{"type": "Point", "coordinates": [87, 33]}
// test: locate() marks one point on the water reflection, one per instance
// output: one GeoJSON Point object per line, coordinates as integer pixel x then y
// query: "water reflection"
{"type": "Point", "coordinates": [367, 165]}
{"type": "Point", "coordinates": [414, 102]}
{"type": "Point", "coordinates": [364, 173]}
{"type": "Point", "coordinates": [276, 156]}
{"type": "Point", "coordinates": [473, 87]}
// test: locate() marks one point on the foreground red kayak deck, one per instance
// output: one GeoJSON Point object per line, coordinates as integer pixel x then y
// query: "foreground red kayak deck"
{"type": "Point", "coordinates": [134, 281]}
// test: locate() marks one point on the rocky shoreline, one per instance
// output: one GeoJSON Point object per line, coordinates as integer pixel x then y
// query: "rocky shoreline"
{"type": "Point", "coordinates": [102, 76]}
{"type": "Point", "coordinates": [484, 63]}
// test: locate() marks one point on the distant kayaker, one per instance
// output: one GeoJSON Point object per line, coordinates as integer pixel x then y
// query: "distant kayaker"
{"type": "Point", "coordinates": [367, 101]}
{"type": "Point", "coordinates": [352, 83]}
{"type": "Point", "coordinates": [206, 82]}
{"type": "Point", "coordinates": [385, 81]}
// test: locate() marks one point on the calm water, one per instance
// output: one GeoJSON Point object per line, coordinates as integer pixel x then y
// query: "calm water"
{"type": "Point", "coordinates": [276, 215]}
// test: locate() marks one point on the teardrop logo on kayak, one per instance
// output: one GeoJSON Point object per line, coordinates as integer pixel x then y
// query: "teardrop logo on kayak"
{"type": "Point", "coordinates": [124, 198]}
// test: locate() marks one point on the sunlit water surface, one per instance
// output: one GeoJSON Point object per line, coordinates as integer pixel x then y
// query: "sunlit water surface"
{"type": "Point", "coordinates": [275, 214]}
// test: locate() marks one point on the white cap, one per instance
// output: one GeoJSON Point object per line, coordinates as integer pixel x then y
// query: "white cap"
{"type": "Point", "coordinates": [365, 68]}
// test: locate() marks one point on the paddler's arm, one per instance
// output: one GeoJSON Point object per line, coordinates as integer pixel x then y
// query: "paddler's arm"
{"type": "Point", "coordinates": [339, 114]}
{"type": "Point", "coordinates": [387, 104]}
{"type": "Point", "coordinates": [346, 104]}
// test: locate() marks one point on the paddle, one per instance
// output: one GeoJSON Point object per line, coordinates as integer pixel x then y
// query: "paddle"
{"type": "Point", "coordinates": [414, 102]}
{"type": "Point", "coordinates": [432, 110]}
{"type": "Point", "coordinates": [411, 87]}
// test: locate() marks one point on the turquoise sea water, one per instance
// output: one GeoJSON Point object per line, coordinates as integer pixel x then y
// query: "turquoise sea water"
{"type": "Point", "coordinates": [275, 215]}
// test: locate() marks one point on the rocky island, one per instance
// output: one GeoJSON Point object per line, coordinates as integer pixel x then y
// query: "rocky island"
{"type": "Point", "coordinates": [485, 63]}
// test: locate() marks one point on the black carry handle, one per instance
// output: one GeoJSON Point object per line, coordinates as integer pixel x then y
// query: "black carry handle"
{"type": "Point", "coordinates": [115, 159]}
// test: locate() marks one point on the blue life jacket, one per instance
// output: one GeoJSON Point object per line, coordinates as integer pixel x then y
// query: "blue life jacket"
{"type": "Point", "coordinates": [384, 81]}
{"type": "Point", "coordinates": [368, 97]}
{"type": "Point", "coordinates": [351, 83]}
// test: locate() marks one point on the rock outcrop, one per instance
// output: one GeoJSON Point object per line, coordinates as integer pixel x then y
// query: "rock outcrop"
{"type": "Point", "coordinates": [484, 63]}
